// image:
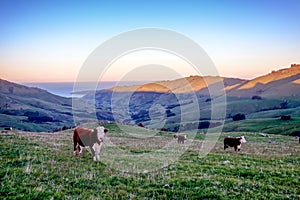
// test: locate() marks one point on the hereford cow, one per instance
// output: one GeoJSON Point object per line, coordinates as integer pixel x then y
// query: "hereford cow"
{"type": "Point", "coordinates": [234, 142]}
{"type": "Point", "coordinates": [93, 139]}
{"type": "Point", "coordinates": [180, 138]}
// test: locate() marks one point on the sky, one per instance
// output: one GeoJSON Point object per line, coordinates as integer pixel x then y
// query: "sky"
{"type": "Point", "coordinates": [48, 41]}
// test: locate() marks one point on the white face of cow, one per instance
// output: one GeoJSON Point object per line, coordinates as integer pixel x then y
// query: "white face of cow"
{"type": "Point", "coordinates": [242, 139]}
{"type": "Point", "coordinates": [100, 131]}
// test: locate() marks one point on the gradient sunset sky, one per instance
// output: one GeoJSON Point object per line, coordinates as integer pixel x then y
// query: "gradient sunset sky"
{"type": "Point", "coordinates": [50, 40]}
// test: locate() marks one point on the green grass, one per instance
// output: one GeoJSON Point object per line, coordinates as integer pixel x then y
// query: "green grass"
{"type": "Point", "coordinates": [274, 113]}
{"type": "Point", "coordinates": [268, 125]}
{"type": "Point", "coordinates": [41, 166]}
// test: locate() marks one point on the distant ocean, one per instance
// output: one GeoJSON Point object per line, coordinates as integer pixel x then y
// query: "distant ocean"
{"type": "Point", "coordinates": [65, 89]}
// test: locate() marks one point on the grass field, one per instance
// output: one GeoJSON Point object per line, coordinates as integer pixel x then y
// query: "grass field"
{"type": "Point", "coordinates": [266, 125]}
{"type": "Point", "coordinates": [42, 166]}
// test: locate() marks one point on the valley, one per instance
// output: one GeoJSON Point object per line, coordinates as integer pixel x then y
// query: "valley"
{"type": "Point", "coordinates": [191, 103]}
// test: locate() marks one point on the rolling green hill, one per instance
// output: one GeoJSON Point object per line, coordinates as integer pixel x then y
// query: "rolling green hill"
{"type": "Point", "coordinates": [164, 104]}
{"type": "Point", "coordinates": [176, 105]}
{"type": "Point", "coordinates": [33, 109]}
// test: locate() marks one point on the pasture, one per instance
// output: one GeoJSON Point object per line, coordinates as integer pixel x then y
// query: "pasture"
{"type": "Point", "coordinates": [42, 166]}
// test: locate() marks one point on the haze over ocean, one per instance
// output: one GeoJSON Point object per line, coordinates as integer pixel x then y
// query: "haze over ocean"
{"type": "Point", "coordinates": [65, 89]}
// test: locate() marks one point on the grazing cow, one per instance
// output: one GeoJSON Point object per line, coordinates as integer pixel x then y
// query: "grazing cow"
{"type": "Point", "coordinates": [234, 142]}
{"type": "Point", "coordinates": [8, 129]}
{"type": "Point", "coordinates": [84, 137]}
{"type": "Point", "coordinates": [180, 138]}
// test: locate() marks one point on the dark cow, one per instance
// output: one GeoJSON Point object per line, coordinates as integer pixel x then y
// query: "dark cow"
{"type": "Point", "coordinates": [93, 139]}
{"type": "Point", "coordinates": [8, 129]}
{"type": "Point", "coordinates": [234, 142]}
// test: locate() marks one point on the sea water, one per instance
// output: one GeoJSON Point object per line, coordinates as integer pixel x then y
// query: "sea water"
{"type": "Point", "coordinates": [65, 89]}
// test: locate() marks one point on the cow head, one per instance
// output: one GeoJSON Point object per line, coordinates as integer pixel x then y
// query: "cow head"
{"type": "Point", "coordinates": [242, 139]}
{"type": "Point", "coordinates": [101, 131]}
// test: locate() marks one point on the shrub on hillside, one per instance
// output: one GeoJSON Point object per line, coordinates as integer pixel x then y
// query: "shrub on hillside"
{"type": "Point", "coordinates": [169, 113]}
{"type": "Point", "coordinates": [285, 117]}
{"type": "Point", "coordinates": [295, 133]}
{"type": "Point", "coordinates": [163, 129]}
{"type": "Point", "coordinates": [256, 97]}
{"type": "Point", "coordinates": [284, 104]}
{"type": "Point", "coordinates": [141, 125]}
{"type": "Point", "coordinates": [40, 119]}
{"type": "Point", "coordinates": [238, 117]}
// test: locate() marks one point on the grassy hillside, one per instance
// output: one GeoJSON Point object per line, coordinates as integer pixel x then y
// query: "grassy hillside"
{"type": "Point", "coordinates": [34, 109]}
{"type": "Point", "coordinates": [163, 104]}
{"type": "Point", "coordinates": [267, 125]}
{"type": "Point", "coordinates": [41, 166]}
{"type": "Point", "coordinates": [281, 83]}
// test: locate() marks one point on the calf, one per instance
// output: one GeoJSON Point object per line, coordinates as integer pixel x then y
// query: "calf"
{"type": "Point", "coordinates": [84, 137]}
{"type": "Point", "coordinates": [234, 142]}
{"type": "Point", "coordinates": [180, 138]}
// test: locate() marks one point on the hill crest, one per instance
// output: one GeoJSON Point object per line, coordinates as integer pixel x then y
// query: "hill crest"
{"type": "Point", "coordinates": [283, 82]}
{"type": "Point", "coordinates": [280, 83]}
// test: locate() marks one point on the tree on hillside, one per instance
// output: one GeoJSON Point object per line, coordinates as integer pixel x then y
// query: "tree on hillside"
{"type": "Point", "coordinates": [256, 97]}
{"type": "Point", "coordinates": [285, 117]}
{"type": "Point", "coordinates": [238, 117]}
{"type": "Point", "coordinates": [284, 104]}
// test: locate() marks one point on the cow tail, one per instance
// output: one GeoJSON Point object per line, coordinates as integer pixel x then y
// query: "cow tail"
{"type": "Point", "coordinates": [75, 139]}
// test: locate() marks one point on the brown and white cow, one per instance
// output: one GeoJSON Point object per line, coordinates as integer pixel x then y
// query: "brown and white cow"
{"type": "Point", "coordinates": [234, 142]}
{"type": "Point", "coordinates": [83, 137]}
{"type": "Point", "coordinates": [180, 138]}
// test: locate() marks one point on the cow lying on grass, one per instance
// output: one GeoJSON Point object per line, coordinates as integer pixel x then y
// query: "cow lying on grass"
{"type": "Point", "coordinates": [93, 139]}
{"type": "Point", "coordinates": [180, 138]}
{"type": "Point", "coordinates": [234, 142]}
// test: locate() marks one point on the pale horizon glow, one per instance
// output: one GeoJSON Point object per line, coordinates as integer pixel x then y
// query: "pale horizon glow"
{"type": "Point", "coordinates": [148, 65]}
{"type": "Point", "coordinates": [48, 41]}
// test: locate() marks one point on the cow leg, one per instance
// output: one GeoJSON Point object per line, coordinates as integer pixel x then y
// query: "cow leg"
{"type": "Point", "coordinates": [93, 152]}
{"type": "Point", "coordinates": [235, 148]}
{"type": "Point", "coordinates": [225, 147]}
{"type": "Point", "coordinates": [80, 150]}
{"type": "Point", "coordinates": [239, 147]}
{"type": "Point", "coordinates": [76, 149]}
{"type": "Point", "coordinates": [97, 149]}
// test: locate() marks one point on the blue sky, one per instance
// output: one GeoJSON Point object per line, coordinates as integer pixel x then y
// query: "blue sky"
{"type": "Point", "coordinates": [50, 40]}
